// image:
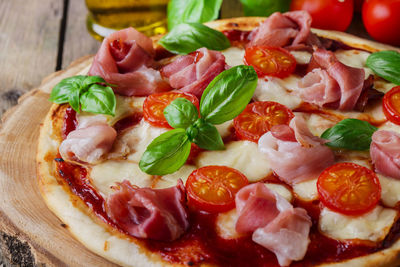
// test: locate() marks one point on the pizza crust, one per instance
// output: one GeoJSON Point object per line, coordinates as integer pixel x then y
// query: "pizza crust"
{"type": "Point", "coordinates": [126, 251]}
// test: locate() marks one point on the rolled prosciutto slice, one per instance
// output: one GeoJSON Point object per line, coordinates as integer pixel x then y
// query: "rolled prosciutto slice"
{"type": "Point", "coordinates": [331, 83]}
{"type": "Point", "coordinates": [124, 59]}
{"type": "Point", "coordinates": [192, 73]}
{"type": "Point", "coordinates": [294, 153]}
{"type": "Point", "coordinates": [273, 222]}
{"type": "Point", "coordinates": [286, 235]}
{"type": "Point", "coordinates": [385, 153]}
{"type": "Point", "coordinates": [158, 214]}
{"type": "Point", "coordinates": [89, 142]}
{"type": "Point", "coordinates": [287, 29]}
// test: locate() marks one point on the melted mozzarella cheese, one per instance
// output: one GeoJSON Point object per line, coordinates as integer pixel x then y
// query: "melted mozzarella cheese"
{"type": "Point", "coordinates": [226, 221]}
{"type": "Point", "coordinates": [281, 190]}
{"type": "Point", "coordinates": [306, 190]}
{"type": "Point", "coordinates": [278, 90]}
{"type": "Point", "coordinates": [233, 56]}
{"type": "Point", "coordinates": [241, 155]}
{"type": "Point", "coordinates": [108, 173]}
{"type": "Point", "coordinates": [224, 129]}
{"type": "Point", "coordinates": [318, 124]}
{"type": "Point", "coordinates": [171, 180]}
{"type": "Point", "coordinates": [133, 143]}
{"type": "Point", "coordinates": [355, 59]}
{"type": "Point", "coordinates": [373, 226]}
{"type": "Point", "coordinates": [302, 57]}
{"type": "Point", "coordinates": [390, 190]}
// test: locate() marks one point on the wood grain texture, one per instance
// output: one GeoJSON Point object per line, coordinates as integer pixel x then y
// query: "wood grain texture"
{"type": "Point", "coordinates": [78, 42]}
{"type": "Point", "coordinates": [28, 45]}
{"type": "Point", "coordinates": [23, 213]}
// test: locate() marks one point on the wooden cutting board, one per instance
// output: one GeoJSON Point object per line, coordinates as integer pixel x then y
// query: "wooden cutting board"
{"type": "Point", "coordinates": [23, 214]}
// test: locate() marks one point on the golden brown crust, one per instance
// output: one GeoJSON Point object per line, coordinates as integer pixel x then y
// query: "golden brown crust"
{"type": "Point", "coordinates": [120, 249]}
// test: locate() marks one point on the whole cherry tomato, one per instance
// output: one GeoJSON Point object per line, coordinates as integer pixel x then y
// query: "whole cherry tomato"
{"type": "Point", "coordinates": [327, 14]}
{"type": "Point", "coordinates": [382, 21]}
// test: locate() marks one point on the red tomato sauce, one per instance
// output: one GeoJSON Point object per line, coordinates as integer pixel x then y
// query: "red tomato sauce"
{"type": "Point", "coordinates": [70, 122]}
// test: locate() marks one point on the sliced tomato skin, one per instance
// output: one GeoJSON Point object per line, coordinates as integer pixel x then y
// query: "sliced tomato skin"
{"type": "Point", "coordinates": [332, 193]}
{"type": "Point", "coordinates": [259, 113]}
{"type": "Point", "coordinates": [154, 105]}
{"type": "Point", "coordinates": [270, 61]}
{"type": "Point", "coordinates": [390, 109]}
{"type": "Point", "coordinates": [210, 185]}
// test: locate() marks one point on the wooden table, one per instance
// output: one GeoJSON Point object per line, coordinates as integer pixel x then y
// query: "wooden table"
{"type": "Point", "coordinates": [38, 37]}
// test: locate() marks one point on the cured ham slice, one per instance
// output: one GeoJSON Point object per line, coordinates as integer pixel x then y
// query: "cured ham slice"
{"type": "Point", "coordinates": [256, 206]}
{"type": "Point", "coordinates": [288, 29]}
{"type": "Point", "coordinates": [294, 153]}
{"type": "Point", "coordinates": [319, 88]}
{"type": "Point", "coordinates": [124, 59]}
{"type": "Point", "coordinates": [157, 214]}
{"type": "Point", "coordinates": [275, 224]}
{"type": "Point", "coordinates": [286, 235]}
{"type": "Point", "coordinates": [89, 142]}
{"type": "Point", "coordinates": [331, 83]}
{"type": "Point", "coordinates": [385, 153]}
{"type": "Point", "coordinates": [192, 73]}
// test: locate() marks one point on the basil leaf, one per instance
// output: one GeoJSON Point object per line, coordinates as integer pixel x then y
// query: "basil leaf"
{"type": "Point", "coordinates": [166, 154]}
{"type": "Point", "coordinates": [181, 113]}
{"type": "Point", "coordinates": [74, 95]}
{"type": "Point", "coordinates": [208, 136]}
{"type": "Point", "coordinates": [180, 11]}
{"type": "Point", "coordinates": [385, 64]}
{"type": "Point", "coordinates": [264, 7]}
{"type": "Point", "coordinates": [99, 99]}
{"type": "Point", "coordinates": [61, 92]}
{"type": "Point", "coordinates": [89, 80]}
{"type": "Point", "coordinates": [350, 134]}
{"type": "Point", "coordinates": [228, 94]}
{"type": "Point", "coordinates": [188, 37]}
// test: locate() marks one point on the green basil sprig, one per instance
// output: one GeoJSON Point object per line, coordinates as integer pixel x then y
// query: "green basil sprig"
{"type": "Point", "coordinates": [188, 37]}
{"type": "Point", "coordinates": [223, 99]}
{"type": "Point", "coordinates": [264, 7]}
{"type": "Point", "coordinates": [180, 11]}
{"type": "Point", "coordinates": [350, 134]}
{"type": "Point", "coordinates": [85, 93]}
{"type": "Point", "coordinates": [385, 64]}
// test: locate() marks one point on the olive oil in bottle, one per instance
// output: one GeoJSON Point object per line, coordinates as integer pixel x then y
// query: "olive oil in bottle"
{"type": "Point", "coordinates": [107, 16]}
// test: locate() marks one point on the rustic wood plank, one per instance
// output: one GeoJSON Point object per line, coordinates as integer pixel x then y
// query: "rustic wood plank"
{"type": "Point", "coordinates": [29, 32]}
{"type": "Point", "coordinates": [78, 42]}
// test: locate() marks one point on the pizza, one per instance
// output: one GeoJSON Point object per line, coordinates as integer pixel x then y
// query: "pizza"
{"type": "Point", "coordinates": [278, 149]}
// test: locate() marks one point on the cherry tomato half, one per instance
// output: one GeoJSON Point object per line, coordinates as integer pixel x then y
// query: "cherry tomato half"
{"type": "Point", "coordinates": [391, 105]}
{"type": "Point", "coordinates": [349, 188]}
{"type": "Point", "coordinates": [327, 14]}
{"type": "Point", "coordinates": [258, 118]}
{"type": "Point", "coordinates": [154, 105]}
{"type": "Point", "coordinates": [381, 19]}
{"type": "Point", "coordinates": [213, 188]}
{"type": "Point", "coordinates": [270, 61]}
